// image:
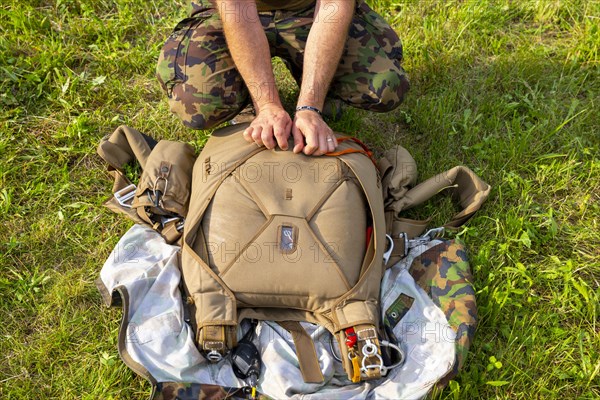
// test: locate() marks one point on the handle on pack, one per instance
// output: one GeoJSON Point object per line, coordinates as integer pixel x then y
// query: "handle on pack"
{"type": "Point", "coordinates": [122, 147]}
{"type": "Point", "coordinates": [460, 182]}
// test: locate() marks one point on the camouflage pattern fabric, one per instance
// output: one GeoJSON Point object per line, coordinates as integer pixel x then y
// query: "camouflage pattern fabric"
{"type": "Point", "coordinates": [443, 272]}
{"type": "Point", "coordinates": [197, 72]}
{"type": "Point", "coordinates": [196, 391]}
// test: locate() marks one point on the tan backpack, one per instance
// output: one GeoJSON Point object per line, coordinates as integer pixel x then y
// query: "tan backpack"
{"type": "Point", "coordinates": [273, 235]}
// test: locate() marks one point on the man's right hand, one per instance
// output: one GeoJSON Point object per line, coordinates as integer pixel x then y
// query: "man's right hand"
{"type": "Point", "coordinates": [271, 127]}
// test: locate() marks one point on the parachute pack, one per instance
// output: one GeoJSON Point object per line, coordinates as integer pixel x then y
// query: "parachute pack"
{"type": "Point", "coordinates": [269, 235]}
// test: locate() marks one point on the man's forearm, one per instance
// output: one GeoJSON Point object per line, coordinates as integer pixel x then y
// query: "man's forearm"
{"type": "Point", "coordinates": [324, 48]}
{"type": "Point", "coordinates": [249, 49]}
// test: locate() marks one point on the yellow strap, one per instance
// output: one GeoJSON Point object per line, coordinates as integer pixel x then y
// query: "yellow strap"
{"type": "Point", "coordinates": [355, 369]}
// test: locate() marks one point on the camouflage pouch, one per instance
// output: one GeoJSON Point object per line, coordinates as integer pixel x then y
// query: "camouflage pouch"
{"type": "Point", "coordinates": [197, 391]}
{"type": "Point", "coordinates": [444, 273]}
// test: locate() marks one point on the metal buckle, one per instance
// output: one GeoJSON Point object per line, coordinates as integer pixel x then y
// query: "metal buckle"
{"type": "Point", "coordinates": [164, 221]}
{"type": "Point", "coordinates": [404, 236]}
{"type": "Point", "coordinates": [369, 350]}
{"type": "Point", "coordinates": [126, 194]}
{"type": "Point", "coordinates": [421, 240]}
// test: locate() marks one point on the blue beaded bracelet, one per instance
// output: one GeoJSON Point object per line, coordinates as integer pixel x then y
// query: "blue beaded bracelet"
{"type": "Point", "coordinates": [309, 108]}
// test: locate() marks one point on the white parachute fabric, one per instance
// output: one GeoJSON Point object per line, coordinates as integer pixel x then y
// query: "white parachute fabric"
{"type": "Point", "coordinates": [145, 267]}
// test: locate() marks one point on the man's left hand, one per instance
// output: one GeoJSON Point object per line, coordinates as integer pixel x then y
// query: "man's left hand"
{"type": "Point", "coordinates": [319, 136]}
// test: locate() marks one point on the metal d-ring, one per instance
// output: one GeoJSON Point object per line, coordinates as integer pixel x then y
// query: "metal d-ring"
{"type": "Point", "coordinates": [214, 356]}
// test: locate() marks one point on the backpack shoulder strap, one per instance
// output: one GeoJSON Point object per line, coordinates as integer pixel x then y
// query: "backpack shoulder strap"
{"type": "Point", "coordinates": [118, 149]}
{"type": "Point", "coordinates": [124, 145]}
{"type": "Point", "coordinates": [460, 182]}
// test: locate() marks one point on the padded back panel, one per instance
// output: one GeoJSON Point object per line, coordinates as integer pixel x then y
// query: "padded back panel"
{"type": "Point", "coordinates": [287, 230]}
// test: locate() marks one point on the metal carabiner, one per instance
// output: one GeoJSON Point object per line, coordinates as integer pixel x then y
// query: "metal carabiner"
{"type": "Point", "coordinates": [434, 233]}
{"type": "Point", "coordinates": [388, 252]}
{"type": "Point", "coordinates": [157, 193]}
{"type": "Point", "coordinates": [425, 238]}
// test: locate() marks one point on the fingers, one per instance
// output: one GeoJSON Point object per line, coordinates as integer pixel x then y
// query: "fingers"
{"type": "Point", "coordinates": [319, 137]}
{"type": "Point", "coordinates": [321, 140]}
{"type": "Point", "coordinates": [256, 135]}
{"type": "Point", "coordinates": [248, 134]}
{"type": "Point", "coordinates": [331, 143]}
{"type": "Point", "coordinates": [270, 128]}
{"type": "Point", "coordinates": [298, 139]}
{"type": "Point", "coordinates": [282, 132]}
{"type": "Point", "coordinates": [312, 141]}
{"type": "Point", "coordinates": [312, 135]}
{"type": "Point", "coordinates": [327, 142]}
{"type": "Point", "coordinates": [267, 137]}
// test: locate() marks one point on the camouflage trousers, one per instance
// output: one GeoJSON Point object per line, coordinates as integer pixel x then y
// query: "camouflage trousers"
{"type": "Point", "coordinates": [205, 89]}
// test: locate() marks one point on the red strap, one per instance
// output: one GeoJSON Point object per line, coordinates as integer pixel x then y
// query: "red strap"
{"type": "Point", "coordinates": [365, 150]}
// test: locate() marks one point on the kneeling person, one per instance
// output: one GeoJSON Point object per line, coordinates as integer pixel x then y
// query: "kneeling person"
{"type": "Point", "coordinates": [219, 59]}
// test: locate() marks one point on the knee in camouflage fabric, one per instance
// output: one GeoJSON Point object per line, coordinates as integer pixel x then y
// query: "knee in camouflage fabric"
{"type": "Point", "coordinates": [370, 75]}
{"type": "Point", "coordinates": [198, 74]}
{"type": "Point", "coordinates": [204, 88]}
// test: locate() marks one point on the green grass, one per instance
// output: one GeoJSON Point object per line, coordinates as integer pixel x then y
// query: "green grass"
{"type": "Point", "coordinates": [509, 88]}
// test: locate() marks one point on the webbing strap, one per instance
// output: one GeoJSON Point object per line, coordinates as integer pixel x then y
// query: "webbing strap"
{"type": "Point", "coordinates": [213, 340]}
{"type": "Point", "coordinates": [365, 150]}
{"type": "Point", "coordinates": [170, 231]}
{"type": "Point", "coordinates": [305, 350]}
{"type": "Point", "coordinates": [118, 149]}
{"type": "Point", "coordinates": [401, 230]}
{"type": "Point", "coordinates": [460, 182]}
{"type": "Point", "coordinates": [367, 336]}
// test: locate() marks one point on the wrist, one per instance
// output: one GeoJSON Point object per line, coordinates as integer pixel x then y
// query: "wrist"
{"type": "Point", "coordinates": [272, 105]}
{"type": "Point", "coordinates": [312, 109]}
{"type": "Point", "coordinates": [265, 96]}
{"type": "Point", "coordinates": [311, 95]}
